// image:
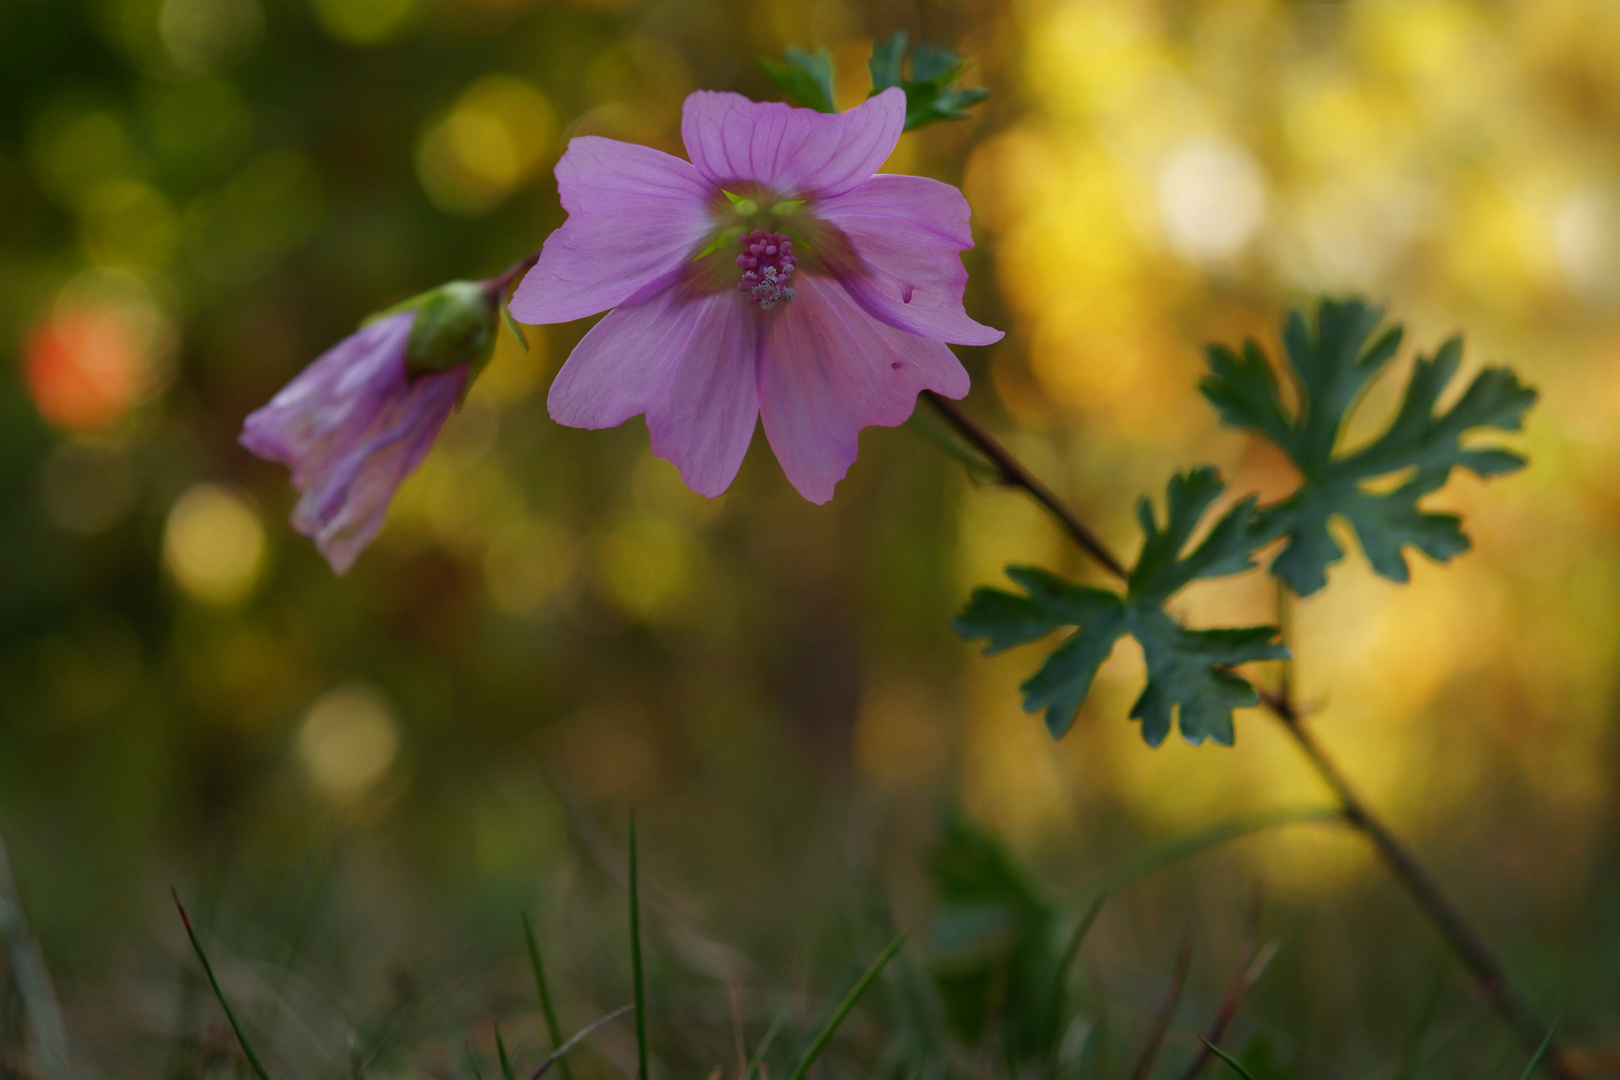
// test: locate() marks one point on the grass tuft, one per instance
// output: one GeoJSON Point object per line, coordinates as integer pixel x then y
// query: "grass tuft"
{"type": "Point", "coordinates": [635, 960]}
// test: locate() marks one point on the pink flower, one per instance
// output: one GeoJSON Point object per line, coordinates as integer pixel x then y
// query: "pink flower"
{"type": "Point", "coordinates": [774, 276]}
{"type": "Point", "coordinates": [352, 426]}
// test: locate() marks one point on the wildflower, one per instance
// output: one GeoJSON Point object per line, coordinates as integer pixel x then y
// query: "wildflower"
{"type": "Point", "coordinates": [773, 276]}
{"type": "Point", "coordinates": [359, 419]}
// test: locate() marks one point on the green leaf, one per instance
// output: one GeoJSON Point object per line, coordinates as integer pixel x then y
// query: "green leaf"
{"type": "Point", "coordinates": [888, 62]}
{"type": "Point", "coordinates": [1189, 671]}
{"type": "Point", "coordinates": [931, 91]}
{"type": "Point", "coordinates": [994, 942]}
{"type": "Point", "coordinates": [805, 77]}
{"type": "Point", "coordinates": [1332, 364]}
{"type": "Point", "coordinates": [1189, 674]}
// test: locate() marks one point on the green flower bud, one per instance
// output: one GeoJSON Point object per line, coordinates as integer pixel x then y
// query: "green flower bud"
{"type": "Point", "coordinates": [455, 324]}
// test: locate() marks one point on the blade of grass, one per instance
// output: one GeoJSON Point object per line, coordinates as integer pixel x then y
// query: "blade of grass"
{"type": "Point", "coordinates": [500, 1052]}
{"type": "Point", "coordinates": [1236, 1065]}
{"type": "Point", "coordinates": [579, 1037]}
{"type": "Point", "coordinates": [737, 1037]}
{"type": "Point", "coordinates": [472, 1059]}
{"type": "Point", "coordinates": [208, 969]}
{"type": "Point", "coordinates": [1161, 1023]}
{"type": "Point", "coordinates": [864, 983]}
{"type": "Point", "coordinates": [47, 1033]}
{"type": "Point", "coordinates": [1529, 1070]}
{"type": "Point", "coordinates": [1412, 1052]}
{"type": "Point", "coordinates": [1054, 1003]}
{"type": "Point", "coordinates": [765, 1044]}
{"type": "Point", "coordinates": [546, 1010]}
{"type": "Point", "coordinates": [1187, 845]}
{"type": "Point", "coordinates": [635, 959]}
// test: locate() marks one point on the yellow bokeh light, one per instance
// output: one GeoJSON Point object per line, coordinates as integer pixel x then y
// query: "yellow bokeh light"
{"type": "Point", "coordinates": [902, 737]}
{"type": "Point", "coordinates": [365, 22]}
{"type": "Point", "coordinates": [127, 223]}
{"type": "Point", "coordinates": [348, 741]}
{"type": "Point", "coordinates": [495, 138]}
{"type": "Point", "coordinates": [527, 564]}
{"type": "Point", "coordinates": [647, 564]}
{"type": "Point", "coordinates": [214, 545]}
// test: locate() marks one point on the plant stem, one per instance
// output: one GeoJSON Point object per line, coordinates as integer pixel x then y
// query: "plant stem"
{"type": "Point", "coordinates": [497, 285]}
{"type": "Point", "coordinates": [1014, 474]}
{"type": "Point", "coordinates": [1490, 974]}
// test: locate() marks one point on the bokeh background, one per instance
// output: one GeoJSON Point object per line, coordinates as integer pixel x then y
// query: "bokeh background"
{"type": "Point", "coordinates": [359, 782]}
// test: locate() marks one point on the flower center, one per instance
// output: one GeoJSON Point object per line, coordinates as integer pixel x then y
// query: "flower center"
{"type": "Point", "coordinates": [767, 264]}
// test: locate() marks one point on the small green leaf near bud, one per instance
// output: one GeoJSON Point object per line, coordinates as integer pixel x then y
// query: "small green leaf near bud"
{"type": "Point", "coordinates": [516, 327]}
{"type": "Point", "coordinates": [931, 91]}
{"type": "Point", "coordinates": [455, 324]}
{"type": "Point", "coordinates": [806, 77]}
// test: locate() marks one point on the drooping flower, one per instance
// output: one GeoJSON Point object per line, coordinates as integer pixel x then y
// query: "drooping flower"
{"type": "Point", "coordinates": [356, 422]}
{"type": "Point", "coordinates": [775, 276]}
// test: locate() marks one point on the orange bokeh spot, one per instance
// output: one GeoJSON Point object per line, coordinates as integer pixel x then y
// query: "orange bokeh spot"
{"type": "Point", "coordinates": [85, 368]}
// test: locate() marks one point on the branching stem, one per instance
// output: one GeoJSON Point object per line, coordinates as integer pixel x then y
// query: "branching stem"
{"type": "Point", "coordinates": [1488, 970]}
{"type": "Point", "coordinates": [1015, 474]}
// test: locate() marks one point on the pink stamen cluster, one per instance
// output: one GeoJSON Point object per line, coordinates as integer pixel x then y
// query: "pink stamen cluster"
{"type": "Point", "coordinates": [767, 264]}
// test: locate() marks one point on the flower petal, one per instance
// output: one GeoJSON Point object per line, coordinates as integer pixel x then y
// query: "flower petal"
{"type": "Point", "coordinates": [317, 416]}
{"type": "Point", "coordinates": [685, 360]}
{"type": "Point", "coordinates": [792, 151]}
{"type": "Point", "coordinates": [346, 505]}
{"type": "Point", "coordinates": [828, 369]}
{"type": "Point", "coordinates": [908, 232]}
{"type": "Point", "coordinates": [635, 215]}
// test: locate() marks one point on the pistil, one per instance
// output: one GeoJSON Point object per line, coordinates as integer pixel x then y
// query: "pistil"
{"type": "Point", "coordinates": [767, 265]}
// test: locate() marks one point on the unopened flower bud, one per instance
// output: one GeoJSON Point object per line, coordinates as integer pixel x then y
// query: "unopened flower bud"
{"type": "Point", "coordinates": [455, 324]}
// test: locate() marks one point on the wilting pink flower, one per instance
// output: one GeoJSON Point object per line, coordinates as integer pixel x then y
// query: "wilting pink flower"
{"type": "Point", "coordinates": [352, 426]}
{"type": "Point", "coordinates": [774, 276]}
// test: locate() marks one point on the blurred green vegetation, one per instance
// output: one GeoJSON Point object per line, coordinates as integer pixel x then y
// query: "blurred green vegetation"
{"type": "Point", "coordinates": [359, 783]}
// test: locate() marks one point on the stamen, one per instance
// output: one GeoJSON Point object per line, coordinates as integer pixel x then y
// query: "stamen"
{"type": "Point", "coordinates": [767, 264]}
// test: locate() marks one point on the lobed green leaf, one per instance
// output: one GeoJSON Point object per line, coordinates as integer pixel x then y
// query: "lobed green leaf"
{"type": "Point", "coordinates": [1332, 364]}
{"type": "Point", "coordinates": [1189, 676]}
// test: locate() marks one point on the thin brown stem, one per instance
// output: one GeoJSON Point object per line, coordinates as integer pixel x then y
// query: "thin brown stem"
{"type": "Point", "coordinates": [1167, 1011]}
{"type": "Point", "coordinates": [1249, 969]}
{"type": "Point", "coordinates": [1014, 474]}
{"type": "Point", "coordinates": [1489, 972]}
